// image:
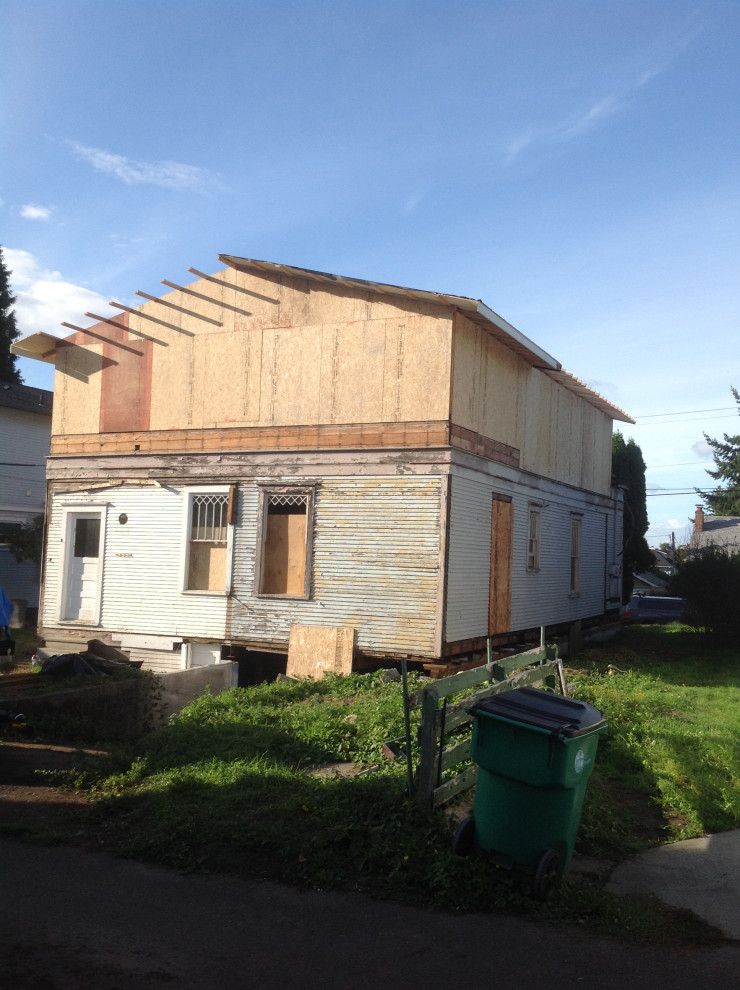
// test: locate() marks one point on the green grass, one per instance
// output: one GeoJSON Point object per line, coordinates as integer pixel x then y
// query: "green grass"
{"type": "Point", "coordinates": [229, 786]}
{"type": "Point", "coordinates": [668, 768]}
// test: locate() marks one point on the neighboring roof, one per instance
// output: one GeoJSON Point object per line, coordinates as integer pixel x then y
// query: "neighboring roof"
{"type": "Point", "coordinates": [42, 346]}
{"type": "Point", "coordinates": [718, 531]}
{"type": "Point", "coordinates": [26, 398]}
{"type": "Point", "coordinates": [650, 580]}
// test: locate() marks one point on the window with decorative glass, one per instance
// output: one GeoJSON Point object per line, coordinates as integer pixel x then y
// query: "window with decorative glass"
{"type": "Point", "coordinates": [533, 543]}
{"type": "Point", "coordinates": [207, 541]}
{"type": "Point", "coordinates": [576, 528]}
{"type": "Point", "coordinates": [284, 552]}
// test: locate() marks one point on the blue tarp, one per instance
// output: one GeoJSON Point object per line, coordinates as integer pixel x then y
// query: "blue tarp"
{"type": "Point", "coordinates": [6, 608]}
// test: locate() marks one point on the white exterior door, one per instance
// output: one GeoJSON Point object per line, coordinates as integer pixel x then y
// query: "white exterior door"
{"type": "Point", "coordinates": [83, 571]}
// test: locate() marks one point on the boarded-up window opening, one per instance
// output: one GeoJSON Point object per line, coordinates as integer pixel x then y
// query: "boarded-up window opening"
{"type": "Point", "coordinates": [286, 544]}
{"type": "Point", "coordinates": [208, 542]}
{"type": "Point", "coordinates": [499, 591]}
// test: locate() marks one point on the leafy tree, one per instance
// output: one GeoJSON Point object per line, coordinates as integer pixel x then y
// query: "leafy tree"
{"type": "Point", "coordinates": [8, 329]}
{"type": "Point", "coordinates": [725, 501]}
{"type": "Point", "coordinates": [628, 470]}
{"type": "Point", "coordinates": [26, 542]}
{"type": "Point", "coordinates": [709, 580]}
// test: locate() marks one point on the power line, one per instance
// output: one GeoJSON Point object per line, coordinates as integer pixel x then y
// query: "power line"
{"type": "Point", "coordinates": [667, 422]}
{"type": "Point", "coordinates": [685, 412]}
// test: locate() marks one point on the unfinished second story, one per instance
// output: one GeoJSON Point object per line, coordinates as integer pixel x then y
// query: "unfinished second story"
{"type": "Point", "coordinates": [261, 356]}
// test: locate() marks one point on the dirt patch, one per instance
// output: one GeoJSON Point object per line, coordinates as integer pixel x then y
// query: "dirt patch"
{"type": "Point", "coordinates": [33, 795]}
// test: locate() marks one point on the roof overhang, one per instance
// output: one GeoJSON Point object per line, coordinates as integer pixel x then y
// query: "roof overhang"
{"type": "Point", "coordinates": [474, 309]}
{"type": "Point", "coordinates": [38, 346]}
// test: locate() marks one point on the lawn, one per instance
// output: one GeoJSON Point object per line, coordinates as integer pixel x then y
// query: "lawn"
{"type": "Point", "coordinates": [239, 783]}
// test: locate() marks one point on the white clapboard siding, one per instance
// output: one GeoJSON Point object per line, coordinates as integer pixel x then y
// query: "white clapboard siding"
{"type": "Point", "coordinates": [24, 447]}
{"type": "Point", "coordinates": [538, 597]}
{"type": "Point", "coordinates": [142, 566]}
{"type": "Point", "coordinates": [158, 661]}
{"type": "Point", "coordinates": [468, 559]}
{"type": "Point", "coordinates": [375, 567]}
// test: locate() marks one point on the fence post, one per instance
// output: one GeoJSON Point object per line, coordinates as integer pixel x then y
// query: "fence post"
{"type": "Point", "coordinates": [427, 778]}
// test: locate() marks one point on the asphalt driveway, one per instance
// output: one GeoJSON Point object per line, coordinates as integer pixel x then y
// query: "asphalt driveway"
{"type": "Point", "coordinates": [75, 920]}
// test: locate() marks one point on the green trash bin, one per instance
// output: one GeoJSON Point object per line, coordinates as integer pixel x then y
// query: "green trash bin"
{"type": "Point", "coordinates": [535, 752]}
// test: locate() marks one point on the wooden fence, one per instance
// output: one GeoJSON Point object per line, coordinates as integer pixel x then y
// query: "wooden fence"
{"type": "Point", "coordinates": [543, 669]}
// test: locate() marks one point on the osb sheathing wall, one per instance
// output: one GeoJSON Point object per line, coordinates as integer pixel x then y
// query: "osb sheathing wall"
{"type": "Point", "coordinates": [497, 394]}
{"type": "Point", "coordinates": [238, 350]}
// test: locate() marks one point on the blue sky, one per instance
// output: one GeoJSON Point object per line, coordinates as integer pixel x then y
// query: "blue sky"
{"type": "Point", "coordinates": [572, 164]}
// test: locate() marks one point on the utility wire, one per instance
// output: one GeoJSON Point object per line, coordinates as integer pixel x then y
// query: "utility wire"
{"type": "Point", "coordinates": [667, 422]}
{"type": "Point", "coordinates": [685, 412]}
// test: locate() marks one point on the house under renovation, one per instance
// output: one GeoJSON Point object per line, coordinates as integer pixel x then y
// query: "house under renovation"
{"type": "Point", "coordinates": [271, 450]}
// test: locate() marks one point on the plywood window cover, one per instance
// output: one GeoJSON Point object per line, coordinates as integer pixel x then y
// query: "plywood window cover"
{"type": "Point", "coordinates": [283, 495]}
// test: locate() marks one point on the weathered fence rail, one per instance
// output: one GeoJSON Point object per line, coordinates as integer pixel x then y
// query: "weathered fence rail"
{"type": "Point", "coordinates": [534, 668]}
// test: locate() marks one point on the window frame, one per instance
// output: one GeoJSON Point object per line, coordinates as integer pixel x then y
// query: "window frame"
{"type": "Point", "coordinates": [576, 554]}
{"type": "Point", "coordinates": [534, 511]}
{"type": "Point", "coordinates": [190, 494]}
{"type": "Point", "coordinates": [307, 491]}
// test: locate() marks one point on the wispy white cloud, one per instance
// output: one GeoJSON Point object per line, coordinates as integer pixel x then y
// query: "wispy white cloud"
{"type": "Point", "coordinates": [411, 202]}
{"type": "Point", "coordinates": [166, 175]}
{"type": "Point", "coordinates": [567, 129]}
{"type": "Point", "coordinates": [120, 242]}
{"type": "Point", "coordinates": [32, 212]}
{"type": "Point", "coordinates": [44, 298]}
{"type": "Point", "coordinates": [585, 118]}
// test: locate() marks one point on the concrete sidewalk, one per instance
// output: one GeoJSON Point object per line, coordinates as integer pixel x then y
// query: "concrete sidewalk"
{"type": "Point", "coordinates": [702, 875]}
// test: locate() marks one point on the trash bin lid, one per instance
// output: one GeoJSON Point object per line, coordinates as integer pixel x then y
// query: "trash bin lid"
{"type": "Point", "coordinates": [557, 714]}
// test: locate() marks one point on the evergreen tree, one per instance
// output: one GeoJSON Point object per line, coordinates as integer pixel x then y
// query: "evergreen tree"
{"type": "Point", "coordinates": [628, 470]}
{"type": "Point", "coordinates": [725, 501]}
{"type": "Point", "coordinates": [8, 329]}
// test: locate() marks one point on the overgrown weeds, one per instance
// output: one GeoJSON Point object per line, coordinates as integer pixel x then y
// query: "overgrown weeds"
{"type": "Point", "coordinates": [231, 785]}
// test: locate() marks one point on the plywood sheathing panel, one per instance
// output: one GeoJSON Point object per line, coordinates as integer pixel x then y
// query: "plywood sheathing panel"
{"type": "Point", "coordinates": [288, 352]}
{"type": "Point", "coordinates": [489, 386]}
{"type": "Point", "coordinates": [77, 385]}
{"type": "Point", "coordinates": [126, 381]}
{"type": "Point", "coordinates": [499, 397]}
{"type": "Point", "coordinates": [315, 651]}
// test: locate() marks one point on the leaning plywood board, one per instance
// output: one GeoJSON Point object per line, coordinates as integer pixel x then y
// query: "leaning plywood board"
{"type": "Point", "coordinates": [314, 651]}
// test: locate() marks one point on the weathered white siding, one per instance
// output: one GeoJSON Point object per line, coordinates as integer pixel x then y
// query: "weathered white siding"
{"type": "Point", "coordinates": [142, 567]}
{"type": "Point", "coordinates": [539, 597]}
{"type": "Point", "coordinates": [376, 566]}
{"type": "Point", "coordinates": [159, 661]}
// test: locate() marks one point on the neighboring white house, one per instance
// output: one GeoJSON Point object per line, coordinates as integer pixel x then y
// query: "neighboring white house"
{"type": "Point", "coordinates": [271, 447]}
{"type": "Point", "coordinates": [25, 432]}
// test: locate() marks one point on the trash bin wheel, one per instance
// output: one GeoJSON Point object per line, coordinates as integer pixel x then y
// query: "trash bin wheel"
{"type": "Point", "coordinates": [546, 875]}
{"type": "Point", "coordinates": [464, 838]}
